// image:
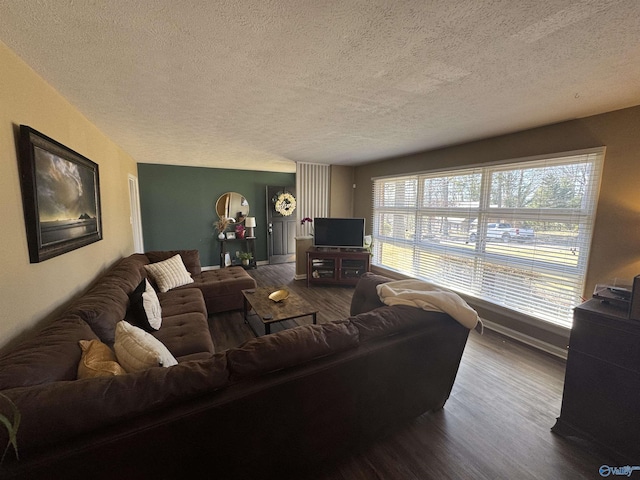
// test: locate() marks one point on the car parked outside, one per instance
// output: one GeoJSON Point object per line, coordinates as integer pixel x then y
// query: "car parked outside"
{"type": "Point", "coordinates": [505, 233]}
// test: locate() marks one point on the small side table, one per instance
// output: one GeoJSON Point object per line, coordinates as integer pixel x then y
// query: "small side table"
{"type": "Point", "coordinates": [248, 245]}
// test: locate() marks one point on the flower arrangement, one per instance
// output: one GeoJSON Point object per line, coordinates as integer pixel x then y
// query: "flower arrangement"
{"type": "Point", "coordinates": [221, 224]}
{"type": "Point", "coordinates": [308, 220]}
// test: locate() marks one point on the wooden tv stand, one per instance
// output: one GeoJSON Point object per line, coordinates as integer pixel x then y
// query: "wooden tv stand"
{"type": "Point", "coordinates": [338, 266]}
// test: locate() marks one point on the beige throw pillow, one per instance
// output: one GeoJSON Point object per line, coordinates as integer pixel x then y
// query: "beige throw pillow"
{"type": "Point", "coordinates": [97, 360]}
{"type": "Point", "coordinates": [138, 350]}
{"type": "Point", "coordinates": [169, 274]}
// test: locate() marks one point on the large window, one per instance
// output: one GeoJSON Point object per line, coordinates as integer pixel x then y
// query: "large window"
{"type": "Point", "coordinates": [517, 234]}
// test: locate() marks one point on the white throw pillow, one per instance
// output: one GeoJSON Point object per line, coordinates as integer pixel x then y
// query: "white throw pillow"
{"type": "Point", "coordinates": [152, 307]}
{"type": "Point", "coordinates": [138, 350]}
{"type": "Point", "coordinates": [145, 308]}
{"type": "Point", "coordinates": [169, 274]}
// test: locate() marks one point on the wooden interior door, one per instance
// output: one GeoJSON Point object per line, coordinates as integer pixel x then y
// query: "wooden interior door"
{"type": "Point", "coordinates": [281, 229]}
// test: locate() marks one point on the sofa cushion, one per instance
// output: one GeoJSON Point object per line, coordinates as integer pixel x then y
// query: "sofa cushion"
{"type": "Point", "coordinates": [185, 329]}
{"type": "Point", "coordinates": [182, 300]}
{"type": "Point", "coordinates": [224, 281]}
{"type": "Point", "coordinates": [222, 288]}
{"type": "Point", "coordinates": [185, 335]}
{"type": "Point", "coordinates": [290, 347]}
{"type": "Point", "coordinates": [190, 258]}
{"type": "Point", "coordinates": [97, 360]}
{"type": "Point", "coordinates": [169, 274]}
{"type": "Point", "coordinates": [144, 306]}
{"type": "Point", "coordinates": [102, 308]}
{"type": "Point", "coordinates": [127, 273]}
{"type": "Point", "coordinates": [51, 355]}
{"type": "Point", "coordinates": [106, 302]}
{"type": "Point", "coordinates": [138, 350]}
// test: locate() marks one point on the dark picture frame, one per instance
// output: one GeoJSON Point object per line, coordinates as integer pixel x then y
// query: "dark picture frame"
{"type": "Point", "coordinates": [60, 196]}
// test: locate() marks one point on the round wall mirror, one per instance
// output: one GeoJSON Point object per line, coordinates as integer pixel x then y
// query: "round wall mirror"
{"type": "Point", "coordinates": [232, 206]}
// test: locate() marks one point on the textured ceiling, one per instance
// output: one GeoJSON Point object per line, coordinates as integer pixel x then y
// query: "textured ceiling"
{"type": "Point", "coordinates": [261, 84]}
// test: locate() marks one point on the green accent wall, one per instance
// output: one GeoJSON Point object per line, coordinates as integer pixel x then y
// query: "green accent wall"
{"type": "Point", "coordinates": [178, 206]}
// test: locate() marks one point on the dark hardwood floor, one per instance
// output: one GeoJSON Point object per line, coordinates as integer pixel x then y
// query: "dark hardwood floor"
{"type": "Point", "coordinates": [495, 425]}
{"type": "Point", "coordinates": [229, 330]}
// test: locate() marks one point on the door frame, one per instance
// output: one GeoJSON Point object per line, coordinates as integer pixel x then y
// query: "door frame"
{"type": "Point", "coordinates": [290, 255]}
{"type": "Point", "coordinates": [136, 218]}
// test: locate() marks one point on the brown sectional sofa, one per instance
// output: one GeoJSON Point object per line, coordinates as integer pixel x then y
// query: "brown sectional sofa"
{"type": "Point", "coordinates": [274, 407]}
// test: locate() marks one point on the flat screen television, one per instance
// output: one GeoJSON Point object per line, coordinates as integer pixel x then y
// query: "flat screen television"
{"type": "Point", "coordinates": [338, 232]}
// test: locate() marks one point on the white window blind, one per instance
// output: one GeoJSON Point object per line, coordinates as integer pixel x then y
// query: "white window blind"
{"type": "Point", "coordinates": [517, 235]}
{"type": "Point", "coordinates": [313, 183]}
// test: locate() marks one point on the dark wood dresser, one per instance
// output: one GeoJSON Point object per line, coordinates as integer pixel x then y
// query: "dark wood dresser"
{"type": "Point", "coordinates": [342, 266]}
{"type": "Point", "coordinates": [601, 398]}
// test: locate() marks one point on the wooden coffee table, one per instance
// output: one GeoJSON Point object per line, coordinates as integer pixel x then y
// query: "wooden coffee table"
{"type": "Point", "coordinates": [269, 311]}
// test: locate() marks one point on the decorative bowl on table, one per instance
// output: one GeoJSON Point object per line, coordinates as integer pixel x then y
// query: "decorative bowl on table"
{"type": "Point", "coordinates": [278, 295]}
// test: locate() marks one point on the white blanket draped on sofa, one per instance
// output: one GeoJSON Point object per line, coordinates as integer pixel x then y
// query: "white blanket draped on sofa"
{"type": "Point", "coordinates": [420, 294]}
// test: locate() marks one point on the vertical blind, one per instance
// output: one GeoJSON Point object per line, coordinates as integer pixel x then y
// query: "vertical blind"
{"type": "Point", "coordinates": [517, 234]}
{"type": "Point", "coordinates": [313, 182]}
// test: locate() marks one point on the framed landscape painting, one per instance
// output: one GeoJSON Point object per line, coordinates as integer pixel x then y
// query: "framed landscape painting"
{"type": "Point", "coordinates": [60, 196]}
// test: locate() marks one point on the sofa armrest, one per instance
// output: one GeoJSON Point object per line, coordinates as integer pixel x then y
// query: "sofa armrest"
{"type": "Point", "coordinates": [365, 297]}
{"type": "Point", "coordinates": [58, 411]}
{"type": "Point", "coordinates": [51, 355]}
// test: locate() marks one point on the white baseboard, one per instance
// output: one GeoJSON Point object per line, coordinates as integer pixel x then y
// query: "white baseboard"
{"type": "Point", "coordinates": [526, 339]}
